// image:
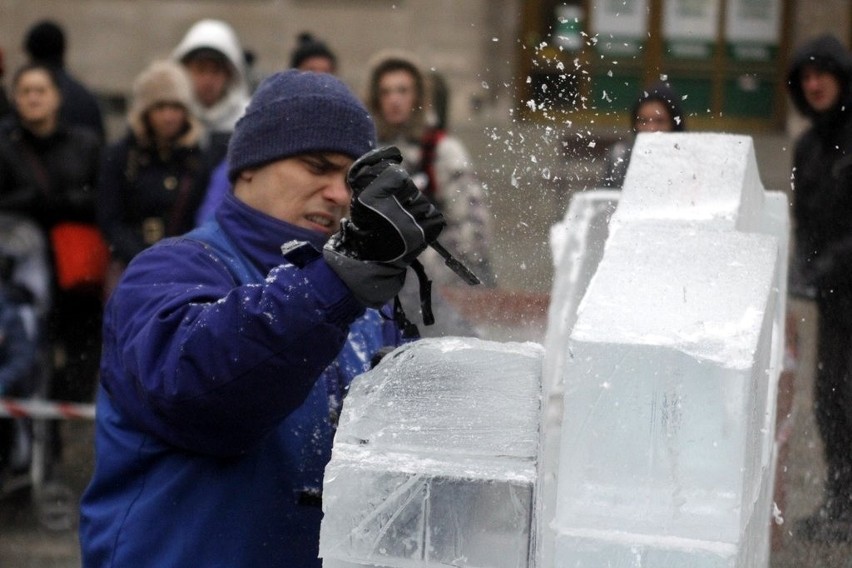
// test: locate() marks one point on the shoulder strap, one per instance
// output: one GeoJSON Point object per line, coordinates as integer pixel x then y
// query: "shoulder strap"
{"type": "Point", "coordinates": [429, 144]}
{"type": "Point", "coordinates": [213, 237]}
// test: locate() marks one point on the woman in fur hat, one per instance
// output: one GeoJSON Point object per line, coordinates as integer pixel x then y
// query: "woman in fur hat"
{"type": "Point", "coordinates": [153, 179]}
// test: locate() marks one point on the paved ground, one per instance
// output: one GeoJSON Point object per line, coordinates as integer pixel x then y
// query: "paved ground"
{"type": "Point", "coordinates": [523, 210]}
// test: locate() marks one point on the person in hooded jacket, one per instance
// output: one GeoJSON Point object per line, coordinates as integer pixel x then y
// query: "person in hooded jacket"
{"type": "Point", "coordinates": [215, 61]}
{"type": "Point", "coordinates": [656, 110]}
{"type": "Point", "coordinates": [818, 82]}
{"type": "Point", "coordinates": [227, 351]}
{"type": "Point", "coordinates": [398, 98]}
{"type": "Point", "coordinates": [152, 180]}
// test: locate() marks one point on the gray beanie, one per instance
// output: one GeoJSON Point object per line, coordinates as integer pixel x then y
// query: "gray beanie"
{"type": "Point", "coordinates": [295, 112]}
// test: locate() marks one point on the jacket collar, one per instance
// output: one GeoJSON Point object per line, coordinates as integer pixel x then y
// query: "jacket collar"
{"type": "Point", "coordinates": [259, 236]}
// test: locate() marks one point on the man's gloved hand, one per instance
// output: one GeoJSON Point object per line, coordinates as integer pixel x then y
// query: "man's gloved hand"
{"type": "Point", "coordinates": [391, 224]}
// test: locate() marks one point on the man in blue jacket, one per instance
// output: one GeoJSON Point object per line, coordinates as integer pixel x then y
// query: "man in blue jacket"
{"type": "Point", "coordinates": [227, 351]}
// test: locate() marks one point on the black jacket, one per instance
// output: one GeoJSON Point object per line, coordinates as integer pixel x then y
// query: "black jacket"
{"type": "Point", "coordinates": [79, 106]}
{"type": "Point", "coordinates": [48, 179]}
{"type": "Point", "coordinates": [822, 177]}
{"type": "Point", "coordinates": [145, 195]}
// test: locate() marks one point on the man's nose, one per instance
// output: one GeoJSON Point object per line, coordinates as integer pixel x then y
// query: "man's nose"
{"type": "Point", "coordinates": [338, 190]}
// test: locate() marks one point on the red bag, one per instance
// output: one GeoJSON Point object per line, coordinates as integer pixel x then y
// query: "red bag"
{"type": "Point", "coordinates": [80, 256]}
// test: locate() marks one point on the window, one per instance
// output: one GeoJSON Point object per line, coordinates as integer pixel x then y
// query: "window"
{"type": "Point", "coordinates": [591, 58]}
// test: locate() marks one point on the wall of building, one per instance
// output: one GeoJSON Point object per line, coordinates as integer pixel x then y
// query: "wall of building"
{"type": "Point", "coordinates": [818, 17]}
{"type": "Point", "coordinates": [110, 41]}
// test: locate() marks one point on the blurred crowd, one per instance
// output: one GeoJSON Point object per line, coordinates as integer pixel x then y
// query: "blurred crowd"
{"type": "Point", "coordinates": [76, 206]}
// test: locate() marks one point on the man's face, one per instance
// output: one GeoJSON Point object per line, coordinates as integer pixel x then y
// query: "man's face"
{"type": "Point", "coordinates": [653, 116]}
{"type": "Point", "coordinates": [821, 88]}
{"type": "Point", "coordinates": [308, 191]}
{"type": "Point", "coordinates": [397, 96]}
{"type": "Point", "coordinates": [210, 78]}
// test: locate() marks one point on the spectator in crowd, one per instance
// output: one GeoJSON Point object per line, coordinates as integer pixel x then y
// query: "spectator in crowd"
{"type": "Point", "coordinates": [48, 172]}
{"type": "Point", "coordinates": [215, 61]}
{"type": "Point", "coordinates": [656, 110]}
{"type": "Point", "coordinates": [818, 83]}
{"type": "Point", "coordinates": [437, 162]}
{"type": "Point", "coordinates": [17, 363]}
{"type": "Point", "coordinates": [312, 54]}
{"type": "Point", "coordinates": [153, 179]}
{"type": "Point", "coordinates": [5, 105]}
{"type": "Point", "coordinates": [253, 75]}
{"type": "Point", "coordinates": [227, 355]}
{"type": "Point", "coordinates": [45, 43]}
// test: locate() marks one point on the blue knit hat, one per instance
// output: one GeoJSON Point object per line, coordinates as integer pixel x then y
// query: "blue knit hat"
{"type": "Point", "coordinates": [297, 112]}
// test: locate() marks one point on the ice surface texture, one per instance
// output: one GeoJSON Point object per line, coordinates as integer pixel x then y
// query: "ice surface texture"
{"type": "Point", "coordinates": [434, 459]}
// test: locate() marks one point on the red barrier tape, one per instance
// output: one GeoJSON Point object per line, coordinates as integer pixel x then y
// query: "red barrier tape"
{"type": "Point", "coordinates": [45, 409]}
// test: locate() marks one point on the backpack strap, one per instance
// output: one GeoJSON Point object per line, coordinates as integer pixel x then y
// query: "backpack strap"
{"type": "Point", "coordinates": [428, 145]}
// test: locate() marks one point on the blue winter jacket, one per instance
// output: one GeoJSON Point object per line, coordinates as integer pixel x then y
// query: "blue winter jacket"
{"type": "Point", "coordinates": [222, 373]}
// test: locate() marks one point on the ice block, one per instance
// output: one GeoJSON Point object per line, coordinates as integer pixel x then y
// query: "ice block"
{"type": "Point", "coordinates": [670, 373]}
{"type": "Point", "coordinates": [434, 460]}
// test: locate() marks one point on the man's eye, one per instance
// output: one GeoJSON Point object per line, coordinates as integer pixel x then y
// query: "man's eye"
{"type": "Point", "coordinates": [315, 166]}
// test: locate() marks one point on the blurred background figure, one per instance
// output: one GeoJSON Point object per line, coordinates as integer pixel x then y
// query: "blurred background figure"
{"type": "Point", "coordinates": [438, 163]}
{"type": "Point", "coordinates": [253, 76]}
{"type": "Point", "coordinates": [17, 364]}
{"type": "Point", "coordinates": [45, 43]}
{"type": "Point", "coordinates": [5, 105]}
{"type": "Point", "coordinates": [212, 55]}
{"type": "Point", "coordinates": [656, 110]}
{"type": "Point", "coordinates": [152, 180]}
{"type": "Point", "coordinates": [48, 172]}
{"type": "Point", "coordinates": [311, 54]}
{"type": "Point", "coordinates": [818, 84]}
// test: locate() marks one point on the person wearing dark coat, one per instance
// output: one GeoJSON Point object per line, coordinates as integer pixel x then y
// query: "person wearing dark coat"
{"type": "Point", "coordinates": [17, 361]}
{"type": "Point", "coordinates": [312, 54]}
{"type": "Point", "coordinates": [818, 84]}
{"type": "Point", "coordinates": [656, 110]}
{"type": "Point", "coordinates": [45, 43]}
{"type": "Point", "coordinates": [153, 179]}
{"type": "Point", "coordinates": [48, 172]}
{"type": "Point", "coordinates": [5, 105]}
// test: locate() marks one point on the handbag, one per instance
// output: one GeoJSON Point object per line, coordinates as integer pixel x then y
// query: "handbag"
{"type": "Point", "coordinates": [80, 255]}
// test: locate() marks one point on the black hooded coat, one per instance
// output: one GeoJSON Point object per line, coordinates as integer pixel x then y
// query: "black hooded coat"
{"type": "Point", "coordinates": [822, 179]}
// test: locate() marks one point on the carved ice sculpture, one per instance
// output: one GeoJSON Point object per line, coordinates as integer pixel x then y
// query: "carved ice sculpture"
{"type": "Point", "coordinates": [653, 441]}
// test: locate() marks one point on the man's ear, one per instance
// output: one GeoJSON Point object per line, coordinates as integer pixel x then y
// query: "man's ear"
{"type": "Point", "coordinates": [246, 175]}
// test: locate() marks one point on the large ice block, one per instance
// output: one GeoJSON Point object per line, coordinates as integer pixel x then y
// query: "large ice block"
{"type": "Point", "coordinates": [670, 373]}
{"type": "Point", "coordinates": [434, 459]}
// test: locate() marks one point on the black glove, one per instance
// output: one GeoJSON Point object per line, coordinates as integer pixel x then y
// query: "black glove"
{"type": "Point", "coordinates": [391, 225]}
